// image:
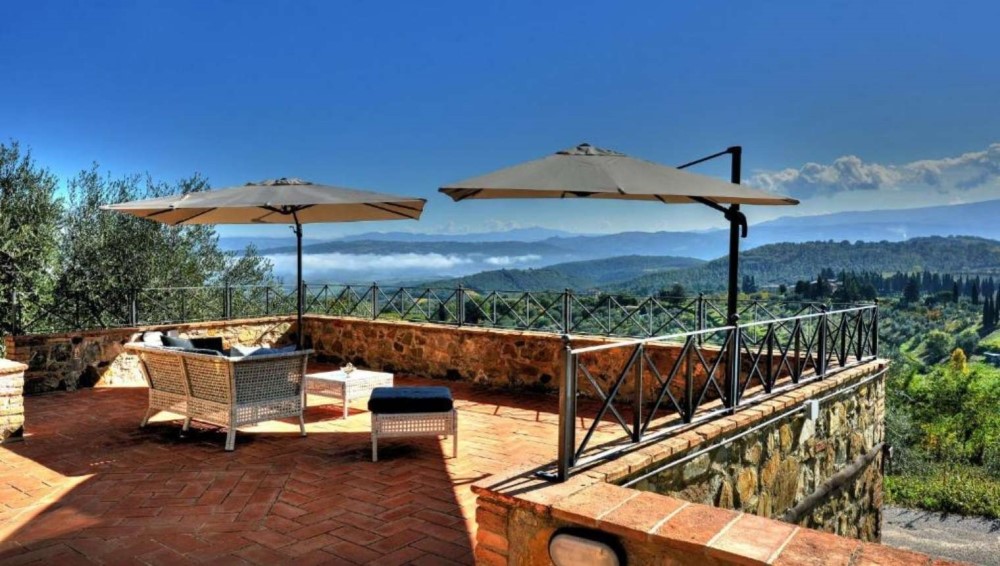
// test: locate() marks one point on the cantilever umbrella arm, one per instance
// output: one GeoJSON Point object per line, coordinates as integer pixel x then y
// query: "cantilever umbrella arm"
{"type": "Point", "coordinates": [737, 226]}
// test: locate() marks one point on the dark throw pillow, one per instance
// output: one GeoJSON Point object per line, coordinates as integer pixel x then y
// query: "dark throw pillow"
{"type": "Point", "coordinates": [172, 342]}
{"type": "Point", "coordinates": [208, 343]}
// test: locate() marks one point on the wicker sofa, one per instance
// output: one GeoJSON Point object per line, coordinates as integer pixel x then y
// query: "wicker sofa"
{"type": "Point", "coordinates": [224, 391]}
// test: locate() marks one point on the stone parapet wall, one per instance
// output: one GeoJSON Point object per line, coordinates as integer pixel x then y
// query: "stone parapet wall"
{"type": "Point", "coordinates": [518, 513]}
{"type": "Point", "coordinates": [11, 401]}
{"type": "Point", "coordinates": [774, 468]}
{"type": "Point", "coordinates": [497, 358]}
{"type": "Point", "coordinates": [71, 360]}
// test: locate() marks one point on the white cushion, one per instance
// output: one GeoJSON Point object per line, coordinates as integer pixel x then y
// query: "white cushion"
{"type": "Point", "coordinates": [152, 338]}
{"type": "Point", "coordinates": [237, 350]}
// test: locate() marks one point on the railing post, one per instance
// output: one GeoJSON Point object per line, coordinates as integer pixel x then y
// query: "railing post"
{"type": "Point", "coordinates": [460, 310]}
{"type": "Point", "coordinates": [874, 330]}
{"type": "Point", "coordinates": [842, 330]}
{"type": "Point", "coordinates": [133, 310]}
{"type": "Point", "coordinates": [637, 399]}
{"type": "Point", "coordinates": [227, 305]}
{"type": "Point", "coordinates": [374, 300]}
{"type": "Point", "coordinates": [267, 301]}
{"type": "Point", "coordinates": [567, 311]}
{"type": "Point", "coordinates": [769, 361]}
{"type": "Point", "coordinates": [689, 382]}
{"type": "Point", "coordinates": [797, 332]}
{"type": "Point", "coordinates": [567, 412]}
{"type": "Point", "coordinates": [822, 339]}
{"type": "Point", "coordinates": [733, 366]}
{"type": "Point", "coordinates": [700, 316]}
{"type": "Point", "coordinates": [859, 335]}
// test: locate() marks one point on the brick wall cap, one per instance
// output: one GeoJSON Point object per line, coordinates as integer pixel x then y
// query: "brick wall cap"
{"type": "Point", "coordinates": [8, 367]}
{"type": "Point", "coordinates": [152, 328]}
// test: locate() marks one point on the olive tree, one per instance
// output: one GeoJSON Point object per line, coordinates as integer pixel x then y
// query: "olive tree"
{"type": "Point", "coordinates": [30, 212]}
{"type": "Point", "coordinates": [107, 258]}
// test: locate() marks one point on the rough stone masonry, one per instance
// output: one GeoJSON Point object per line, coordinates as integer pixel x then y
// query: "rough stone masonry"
{"type": "Point", "coordinates": [773, 469]}
{"type": "Point", "coordinates": [11, 401]}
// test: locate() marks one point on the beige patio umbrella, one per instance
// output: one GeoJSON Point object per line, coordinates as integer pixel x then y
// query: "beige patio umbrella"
{"type": "Point", "coordinates": [589, 172]}
{"type": "Point", "coordinates": [280, 201]}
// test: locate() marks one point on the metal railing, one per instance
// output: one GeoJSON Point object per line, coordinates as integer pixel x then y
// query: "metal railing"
{"type": "Point", "coordinates": [561, 312]}
{"type": "Point", "coordinates": [721, 363]}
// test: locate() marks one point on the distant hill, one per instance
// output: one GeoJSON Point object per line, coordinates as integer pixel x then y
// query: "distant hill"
{"type": "Point", "coordinates": [789, 262]}
{"type": "Point", "coordinates": [240, 243]}
{"type": "Point", "coordinates": [573, 275]}
{"type": "Point", "coordinates": [972, 219]}
{"type": "Point", "coordinates": [378, 247]}
{"type": "Point", "coordinates": [514, 235]}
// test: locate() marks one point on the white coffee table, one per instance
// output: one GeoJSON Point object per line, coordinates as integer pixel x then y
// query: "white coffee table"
{"type": "Point", "coordinates": [337, 384]}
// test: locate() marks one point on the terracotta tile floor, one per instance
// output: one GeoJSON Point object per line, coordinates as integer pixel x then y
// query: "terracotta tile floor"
{"type": "Point", "coordinates": [89, 487]}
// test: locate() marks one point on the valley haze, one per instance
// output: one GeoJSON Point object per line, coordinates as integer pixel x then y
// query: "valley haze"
{"type": "Point", "coordinates": [395, 257]}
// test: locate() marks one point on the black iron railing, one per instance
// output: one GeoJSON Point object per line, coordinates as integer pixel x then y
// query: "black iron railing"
{"type": "Point", "coordinates": [719, 364]}
{"type": "Point", "coordinates": [562, 312]}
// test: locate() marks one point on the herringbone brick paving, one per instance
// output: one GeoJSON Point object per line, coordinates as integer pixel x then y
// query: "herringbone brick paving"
{"type": "Point", "coordinates": [90, 487]}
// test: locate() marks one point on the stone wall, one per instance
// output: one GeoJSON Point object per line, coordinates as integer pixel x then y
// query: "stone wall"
{"type": "Point", "coordinates": [11, 401]}
{"type": "Point", "coordinates": [497, 358]}
{"type": "Point", "coordinates": [72, 360]}
{"type": "Point", "coordinates": [769, 471]}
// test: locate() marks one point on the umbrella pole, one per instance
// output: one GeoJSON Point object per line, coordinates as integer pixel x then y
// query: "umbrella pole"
{"type": "Point", "coordinates": [732, 307]}
{"type": "Point", "coordinates": [736, 222]}
{"type": "Point", "coordinates": [300, 299]}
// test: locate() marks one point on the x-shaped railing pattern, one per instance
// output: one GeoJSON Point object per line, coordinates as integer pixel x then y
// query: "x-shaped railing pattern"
{"type": "Point", "coordinates": [687, 374]}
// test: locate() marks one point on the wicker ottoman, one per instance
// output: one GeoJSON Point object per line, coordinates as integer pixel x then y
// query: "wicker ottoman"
{"type": "Point", "coordinates": [412, 411]}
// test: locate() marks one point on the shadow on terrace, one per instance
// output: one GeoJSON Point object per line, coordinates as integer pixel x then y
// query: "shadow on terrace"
{"type": "Point", "coordinates": [90, 486]}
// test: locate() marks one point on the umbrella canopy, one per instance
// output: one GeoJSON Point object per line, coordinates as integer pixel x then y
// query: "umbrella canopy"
{"type": "Point", "coordinates": [281, 201]}
{"type": "Point", "coordinates": [590, 172]}
{"type": "Point", "coordinates": [586, 171]}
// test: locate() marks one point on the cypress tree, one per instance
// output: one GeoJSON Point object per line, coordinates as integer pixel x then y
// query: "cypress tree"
{"type": "Point", "coordinates": [996, 310]}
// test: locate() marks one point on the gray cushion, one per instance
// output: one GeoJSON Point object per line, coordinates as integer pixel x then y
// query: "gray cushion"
{"type": "Point", "coordinates": [400, 400]}
{"type": "Point", "coordinates": [206, 351]}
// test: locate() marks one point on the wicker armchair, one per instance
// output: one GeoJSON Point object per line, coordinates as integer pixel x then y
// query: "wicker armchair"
{"type": "Point", "coordinates": [224, 391]}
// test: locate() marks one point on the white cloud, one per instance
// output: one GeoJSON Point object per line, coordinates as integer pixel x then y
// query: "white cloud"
{"type": "Point", "coordinates": [341, 268]}
{"type": "Point", "coordinates": [368, 262]}
{"type": "Point", "coordinates": [505, 260]}
{"type": "Point", "coordinates": [967, 172]}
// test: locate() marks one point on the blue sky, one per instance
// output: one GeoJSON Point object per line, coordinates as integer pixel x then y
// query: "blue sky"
{"type": "Point", "coordinates": [849, 105]}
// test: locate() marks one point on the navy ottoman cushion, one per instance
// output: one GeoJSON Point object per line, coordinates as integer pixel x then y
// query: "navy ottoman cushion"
{"type": "Point", "coordinates": [401, 400]}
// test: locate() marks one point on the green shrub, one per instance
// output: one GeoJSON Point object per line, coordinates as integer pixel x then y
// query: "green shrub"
{"type": "Point", "coordinates": [968, 341]}
{"type": "Point", "coordinates": [960, 489]}
{"type": "Point", "coordinates": [991, 343]}
{"type": "Point", "coordinates": [937, 345]}
{"type": "Point", "coordinates": [991, 459]}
